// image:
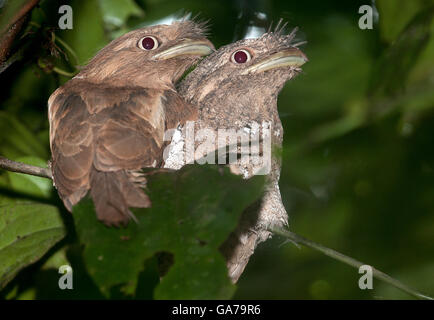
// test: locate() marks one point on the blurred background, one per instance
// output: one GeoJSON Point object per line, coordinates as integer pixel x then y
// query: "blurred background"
{"type": "Point", "coordinates": [358, 157]}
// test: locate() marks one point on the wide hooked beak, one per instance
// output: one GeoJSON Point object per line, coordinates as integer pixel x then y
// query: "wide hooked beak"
{"type": "Point", "coordinates": [291, 57]}
{"type": "Point", "coordinates": [186, 47]}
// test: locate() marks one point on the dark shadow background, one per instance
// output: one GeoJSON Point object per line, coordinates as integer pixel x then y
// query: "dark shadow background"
{"type": "Point", "coordinates": [358, 158]}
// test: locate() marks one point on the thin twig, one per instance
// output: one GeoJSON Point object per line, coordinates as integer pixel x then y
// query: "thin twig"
{"type": "Point", "coordinates": [24, 168]}
{"type": "Point", "coordinates": [64, 73]}
{"type": "Point", "coordinates": [67, 47]}
{"type": "Point", "coordinates": [348, 260]}
{"type": "Point", "coordinates": [14, 58]}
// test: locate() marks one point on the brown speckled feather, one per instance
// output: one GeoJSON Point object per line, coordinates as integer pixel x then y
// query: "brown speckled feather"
{"type": "Point", "coordinates": [109, 121]}
{"type": "Point", "coordinates": [112, 138]}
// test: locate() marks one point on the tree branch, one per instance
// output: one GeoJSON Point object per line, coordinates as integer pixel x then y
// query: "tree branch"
{"type": "Point", "coordinates": [13, 27]}
{"type": "Point", "coordinates": [24, 168]}
{"type": "Point", "coordinates": [7, 40]}
{"type": "Point", "coordinates": [22, 12]}
{"type": "Point", "coordinates": [347, 260]}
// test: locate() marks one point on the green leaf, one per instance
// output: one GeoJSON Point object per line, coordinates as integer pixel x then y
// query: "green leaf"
{"type": "Point", "coordinates": [405, 53]}
{"type": "Point", "coordinates": [424, 68]}
{"type": "Point", "coordinates": [9, 11]}
{"type": "Point", "coordinates": [19, 137]}
{"type": "Point", "coordinates": [87, 36]}
{"type": "Point", "coordinates": [193, 211]}
{"type": "Point", "coordinates": [396, 14]}
{"type": "Point", "coordinates": [28, 184]}
{"type": "Point", "coordinates": [116, 12]}
{"type": "Point", "coordinates": [27, 231]}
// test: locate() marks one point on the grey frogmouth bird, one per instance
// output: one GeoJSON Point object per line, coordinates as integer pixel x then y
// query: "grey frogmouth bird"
{"type": "Point", "coordinates": [109, 120]}
{"type": "Point", "coordinates": [232, 88]}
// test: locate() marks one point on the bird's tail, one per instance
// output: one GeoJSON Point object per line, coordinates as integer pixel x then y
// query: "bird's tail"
{"type": "Point", "coordinates": [113, 193]}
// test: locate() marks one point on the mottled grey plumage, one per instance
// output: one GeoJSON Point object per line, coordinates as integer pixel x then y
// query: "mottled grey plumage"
{"type": "Point", "coordinates": [233, 95]}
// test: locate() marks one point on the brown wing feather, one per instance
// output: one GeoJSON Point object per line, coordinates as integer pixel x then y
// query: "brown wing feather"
{"type": "Point", "coordinates": [131, 133]}
{"type": "Point", "coordinates": [100, 134]}
{"type": "Point", "coordinates": [72, 148]}
{"type": "Point", "coordinates": [178, 111]}
{"type": "Point", "coordinates": [113, 193]}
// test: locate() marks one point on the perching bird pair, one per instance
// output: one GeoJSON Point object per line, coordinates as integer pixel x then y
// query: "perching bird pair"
{"type": "Point", "coordinates": [109, 121]}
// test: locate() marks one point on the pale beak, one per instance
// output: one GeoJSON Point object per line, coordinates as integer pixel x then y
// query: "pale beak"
{"type": "Point", "coordinates": [186, 47]}
{"type": "Point", "coordinates": [291, 57]}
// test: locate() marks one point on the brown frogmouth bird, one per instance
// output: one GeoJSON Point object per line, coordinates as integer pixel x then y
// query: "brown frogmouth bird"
{"type": "Point", "coordinates": [109, 120]}
{"type": "Point", "coordinates": [232, 88]}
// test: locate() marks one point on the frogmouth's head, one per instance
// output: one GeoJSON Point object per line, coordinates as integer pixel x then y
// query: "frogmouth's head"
{"type": "Point", "coordinates": [250, 69]}
{"type": "Point", "coordinates": [151, 57]}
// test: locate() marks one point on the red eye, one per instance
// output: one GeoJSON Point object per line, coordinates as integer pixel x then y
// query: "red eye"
{"type": "Point", "coordinates": [148, 43]}
{"type": "Point", "coordinates": [240, 56]}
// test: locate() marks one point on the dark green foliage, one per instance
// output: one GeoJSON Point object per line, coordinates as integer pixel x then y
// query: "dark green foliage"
{"type": "Point", "coordinates": [358, 161]}
{"type": "Point", "coordinates": [27, 231]}
{"type": "Point", "coordinates": [193, 212]}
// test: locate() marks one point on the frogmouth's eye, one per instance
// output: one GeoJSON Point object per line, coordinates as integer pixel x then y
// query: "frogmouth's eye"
{"type": "Point", "coordinates": [241, 56]}
{"type": "Point", "coordinates": [148, 43]}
